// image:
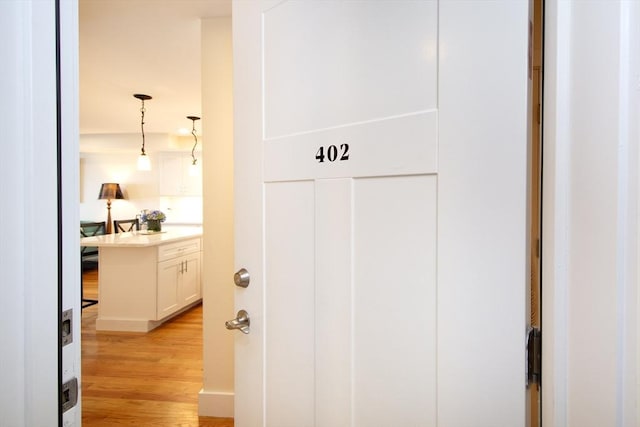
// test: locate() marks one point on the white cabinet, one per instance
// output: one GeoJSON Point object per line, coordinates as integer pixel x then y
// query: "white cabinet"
{"type": "Point", "coordinates": [178, 276]}
{"type": "Point", "coordinates": [142, 286]}
{"type": "Point", "coordinates": [175, 177]}
{"type": "Point", "coordinates": [178, 284]}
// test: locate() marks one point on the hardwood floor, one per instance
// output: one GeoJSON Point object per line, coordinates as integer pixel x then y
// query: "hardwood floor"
{"type": "Point", "coordinates": [142, 379]}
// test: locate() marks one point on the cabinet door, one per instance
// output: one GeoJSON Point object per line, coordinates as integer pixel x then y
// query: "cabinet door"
{"type": "Point", "coordinates": [169, 275]}
{"type": "Point", "coordinates": [191, 178]}
{"type": "Point", "coordinates": [190, 279]}
{"type": "Point", "coordinates": [175, 178]}
{"type": "Point", "coordinates": [170, 177]}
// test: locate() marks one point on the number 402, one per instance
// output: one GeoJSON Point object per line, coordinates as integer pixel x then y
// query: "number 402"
{"type": "Point", "coordinates": [332, 153]}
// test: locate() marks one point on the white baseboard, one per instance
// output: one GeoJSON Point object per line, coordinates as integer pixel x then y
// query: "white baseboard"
{"type": "Point", "coordinates": [215, 404]}
{"type": "Point", "coordinates": [137, 325]}
{"type": "Point", "coordinates": [126, 325]}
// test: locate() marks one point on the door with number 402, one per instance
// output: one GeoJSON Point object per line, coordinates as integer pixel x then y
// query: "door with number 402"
{"type": "Point", "coordinates": [381, 208]}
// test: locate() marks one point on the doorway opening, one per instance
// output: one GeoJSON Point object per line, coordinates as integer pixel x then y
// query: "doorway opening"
{"type": "Point", "coordinates": [146, 29]}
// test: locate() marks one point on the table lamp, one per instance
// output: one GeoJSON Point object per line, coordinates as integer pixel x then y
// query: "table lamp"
{"type": "Point", "coordinates": [109, 191]}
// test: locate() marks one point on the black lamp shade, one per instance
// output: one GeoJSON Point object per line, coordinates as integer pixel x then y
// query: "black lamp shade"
{"type": "Point", "coordinates": [110, 190]}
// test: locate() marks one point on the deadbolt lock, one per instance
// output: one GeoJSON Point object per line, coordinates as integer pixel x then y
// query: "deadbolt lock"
{"type": "Point", "coordinates": [242, 278]}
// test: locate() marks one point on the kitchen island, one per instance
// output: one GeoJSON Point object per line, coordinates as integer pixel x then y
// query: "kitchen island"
{"type": "Point", "coordinates": [146, 278]}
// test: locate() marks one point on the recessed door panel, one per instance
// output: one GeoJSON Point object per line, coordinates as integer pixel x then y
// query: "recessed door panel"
{"type": "Point", "coordinates": [351, 269]}
{"type": "Point", "coordinates": [394, 312]}
{"type": "Point", "coordinates": [289, 317]}
{"type": "Point", "coordinates": [333, 302]}
{"type": "Point", "coordinates": [331, 63]}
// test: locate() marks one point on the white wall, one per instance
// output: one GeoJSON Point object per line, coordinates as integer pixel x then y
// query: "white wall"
{"type": "Point", "coordinates": [140, 188]}
{"type": "Point", "coordinates": [112, 158]}
{"type": "Point", "coordinates": [590, 214]}
{"type": "Point", "coordinates": [131, 142]}
{"type": "Point", "coordinates": [216, 397]}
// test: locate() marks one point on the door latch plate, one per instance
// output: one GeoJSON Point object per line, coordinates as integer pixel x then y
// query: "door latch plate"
{"type": "Point", "coordinates": [67, 327]}
{"type": "Point", "coordinates": [534, 357]}
{"type": "Point", "coordinates": [69, 397]}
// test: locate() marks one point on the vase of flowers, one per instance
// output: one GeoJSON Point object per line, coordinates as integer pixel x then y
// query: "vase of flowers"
{"type": "Point", "coordinates": [153, 219]}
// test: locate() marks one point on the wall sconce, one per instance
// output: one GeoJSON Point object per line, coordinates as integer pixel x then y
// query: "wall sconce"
{"type": "Point", "coordinates": [193, 169]}
{"type": "Point", "coordinates": [110, 191]}
{"type": "Point", "coordinates": [144, 163]}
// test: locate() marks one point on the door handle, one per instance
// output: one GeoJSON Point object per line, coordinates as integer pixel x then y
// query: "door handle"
{"type": "Point", "coordinates": [241, 322]}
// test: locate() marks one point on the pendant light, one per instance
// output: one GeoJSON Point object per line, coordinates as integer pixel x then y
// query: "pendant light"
{"type": "Point", "coordinates": [193, 169]}
{"type": "Point", "coordinates": [144, 163]}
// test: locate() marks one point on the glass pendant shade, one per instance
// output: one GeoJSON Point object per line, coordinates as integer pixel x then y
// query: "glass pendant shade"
{"type": "Point", "coordinates": [144, 163]}
{"type": "Point", "coordinates": [194, 169]}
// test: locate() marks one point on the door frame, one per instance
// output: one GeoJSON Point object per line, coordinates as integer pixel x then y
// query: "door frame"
{"type": "Point", "coordinates": [40, 111]}
{"type": "Point", "coordinates": [576, 299]}
{"type": "Point", "coordinates": [69, 194]}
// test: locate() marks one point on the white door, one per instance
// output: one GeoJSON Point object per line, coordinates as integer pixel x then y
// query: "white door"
{"type": "Point", "coordinates": [381, 211]}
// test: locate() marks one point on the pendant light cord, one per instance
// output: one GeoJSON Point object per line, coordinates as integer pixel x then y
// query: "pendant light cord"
{"type": "Point", "coordinates": [195, 137]}
{"type": "Point", "coordinates": [142, 126]}
{"type": "Point", "coordinates": [193, 132]}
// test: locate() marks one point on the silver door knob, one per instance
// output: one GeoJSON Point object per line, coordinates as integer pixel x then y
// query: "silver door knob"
{"type": "Point", "coordinates": [241, 278]}
{"type": "Point", "coordinates": [241, 322]}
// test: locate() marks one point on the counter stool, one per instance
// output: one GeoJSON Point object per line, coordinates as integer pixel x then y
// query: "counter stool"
{"type": "Point", "coordinates": [124, 225]}
{"type": "Point", "coordinates": [89, 255]}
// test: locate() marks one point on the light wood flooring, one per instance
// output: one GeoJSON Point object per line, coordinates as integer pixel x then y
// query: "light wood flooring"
{"type": "Point", "coordinates": [142, 379]}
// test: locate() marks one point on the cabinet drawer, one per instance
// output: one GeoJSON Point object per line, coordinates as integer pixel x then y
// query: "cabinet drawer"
{"type": "Point", "coordinates": [173, 250]}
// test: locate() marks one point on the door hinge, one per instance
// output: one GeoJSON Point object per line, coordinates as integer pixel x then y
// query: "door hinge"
{"type": "Point", "coordinates": [534, 357]}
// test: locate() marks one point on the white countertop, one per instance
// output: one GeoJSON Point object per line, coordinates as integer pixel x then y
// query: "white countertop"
{"type": "Point", "coordinates": [142, 238]}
